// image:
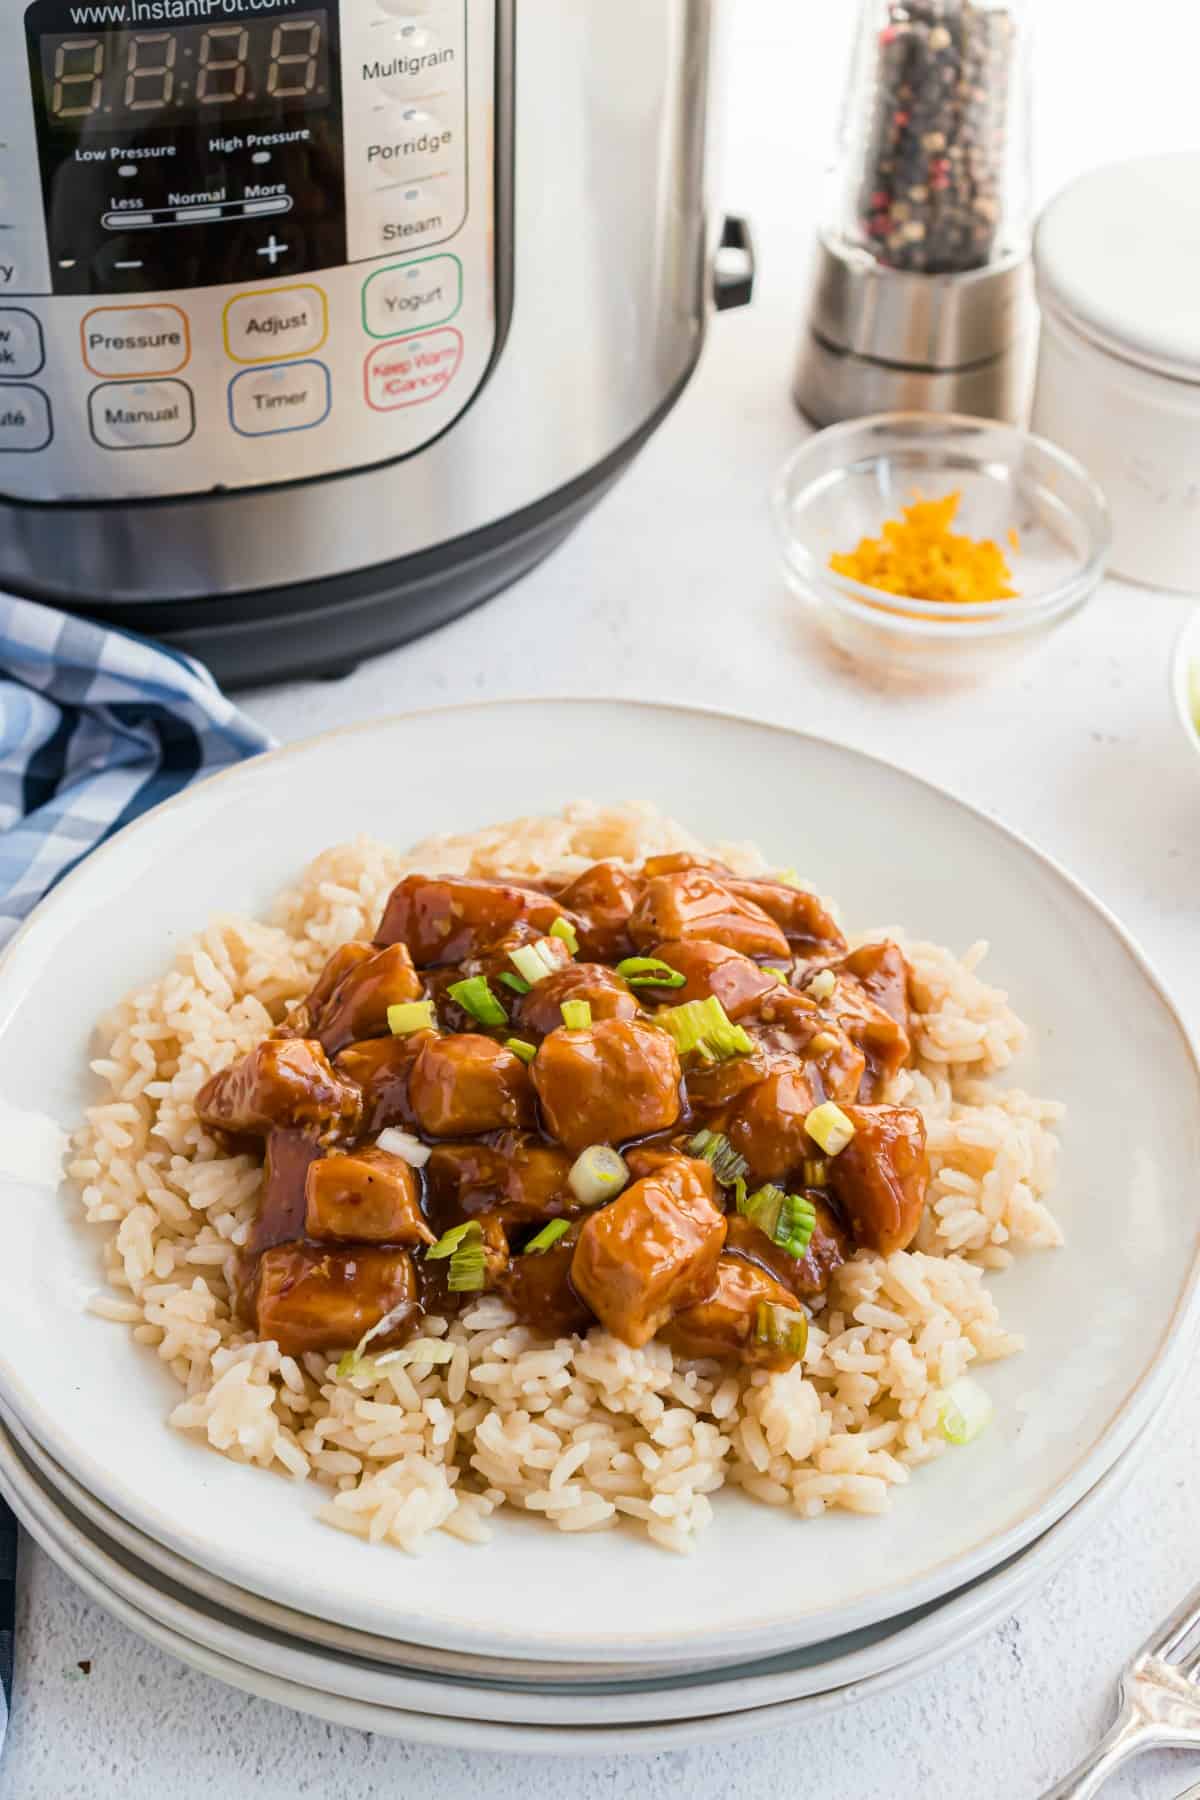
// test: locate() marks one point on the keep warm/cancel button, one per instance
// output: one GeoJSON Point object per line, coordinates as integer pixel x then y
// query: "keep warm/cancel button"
{"type": "Point", "coordinates": [413, 369]}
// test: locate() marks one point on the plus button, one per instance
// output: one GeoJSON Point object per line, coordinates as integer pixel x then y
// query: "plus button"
{"type": "Point", "coordinates": [273, 249]}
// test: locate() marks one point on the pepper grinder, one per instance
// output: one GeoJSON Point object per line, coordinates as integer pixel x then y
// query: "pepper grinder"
{"type": "Point", "coordinates": [922, 295]}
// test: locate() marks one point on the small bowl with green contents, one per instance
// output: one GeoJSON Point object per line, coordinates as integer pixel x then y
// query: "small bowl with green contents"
{"type": "Point", "coordinates": [931, 548]}
{"type": "Point", "coordinates": [1185, 680]}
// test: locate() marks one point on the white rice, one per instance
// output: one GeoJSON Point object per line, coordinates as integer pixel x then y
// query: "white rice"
{"type": "Point", "coordinates": [586, 1432]}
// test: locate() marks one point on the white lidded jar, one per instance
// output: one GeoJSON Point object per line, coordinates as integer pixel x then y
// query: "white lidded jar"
{"type": "Point", "coordinates": [1117, 256]}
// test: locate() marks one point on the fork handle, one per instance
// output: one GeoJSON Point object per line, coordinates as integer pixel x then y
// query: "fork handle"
{"type": "Point", "coordinates": [1124, 1740]}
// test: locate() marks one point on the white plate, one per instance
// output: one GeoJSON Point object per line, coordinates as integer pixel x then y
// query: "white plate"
{"type": "Point", "coordinates": [79, 1543]}
{"type": "Point", "coordinates": [1106, 1319]}
{"type": "Point", "coordinates": [1187, 656]}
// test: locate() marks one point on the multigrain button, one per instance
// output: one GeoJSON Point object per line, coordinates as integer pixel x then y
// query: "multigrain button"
{"type": "Point", "coordinates": [25, 422]}
{"type": "Point", "coordinates": [410, 61]}
{"type": "Point", "coordinates": [274, 323]}
{"type": "Point", "coordinates": [141, 415]}
{"type": "Point", "coordinates": [22, 350]}
{"type": "Point", "coordinates": [288, 397]}
{"type": "Point", "coordinates": [425, 292]}
{"type": "Point", "coordinates": [135, 340]}
{"type": "Point", "coordinates": [414, 369]}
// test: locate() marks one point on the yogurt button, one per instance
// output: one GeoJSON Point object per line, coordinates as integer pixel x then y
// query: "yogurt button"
{"type": "Point", "coordinates": [425, 292]}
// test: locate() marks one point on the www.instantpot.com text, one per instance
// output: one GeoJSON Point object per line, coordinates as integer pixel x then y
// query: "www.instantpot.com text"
{"type": "Point", "coordinates": [159, 12]}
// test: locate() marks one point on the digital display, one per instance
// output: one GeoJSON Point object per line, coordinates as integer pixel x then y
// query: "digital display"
{"type": "Point", "coordinates": [118, 80]}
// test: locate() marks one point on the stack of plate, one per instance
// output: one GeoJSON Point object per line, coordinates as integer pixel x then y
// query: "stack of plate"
{"type": "Point", "coordinates": [543, 1641]}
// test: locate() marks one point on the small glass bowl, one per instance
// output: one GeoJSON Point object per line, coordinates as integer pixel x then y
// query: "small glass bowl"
{"type": "Point", "coordinates": [844, 483]}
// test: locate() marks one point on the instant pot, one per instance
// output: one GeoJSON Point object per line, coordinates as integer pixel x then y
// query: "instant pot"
{"type": "Point", "coordinates": [320, 323]}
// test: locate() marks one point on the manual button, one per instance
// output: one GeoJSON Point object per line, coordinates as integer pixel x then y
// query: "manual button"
{"type": "Point", "coordinates": [273, 323]}
{"type": "Point", "coordinates": [288, 397]}
{"type": "Point", "coordinates": [141, 415]}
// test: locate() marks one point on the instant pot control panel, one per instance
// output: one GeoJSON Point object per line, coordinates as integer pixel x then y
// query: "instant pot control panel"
{"type": "Point", "coordinates": [242, 241]}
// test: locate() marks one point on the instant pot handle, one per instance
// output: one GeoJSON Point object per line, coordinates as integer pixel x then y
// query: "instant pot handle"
{"type": "Point", "coordinates": [733, 270]}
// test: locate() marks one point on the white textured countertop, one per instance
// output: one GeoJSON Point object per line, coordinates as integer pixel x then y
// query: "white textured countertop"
{"type": "Point", "coordinates": [670, 590]}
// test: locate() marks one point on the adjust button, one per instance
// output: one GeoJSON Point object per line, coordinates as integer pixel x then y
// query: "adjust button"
{"type": "Point", "coordinates": [273, 323]}
{"type": "Point", "coordinates": [425, 292]}
{"type": "Point", "coordinates": [25, 422]}
{"type": "Point", "coordinates": [135, 340]}
{"type": "Point", "coordinates": [288, 397]}
{"type": "Point", "coordinates": [141, 415]}
{"type": "Point", "coordinates": [22, 350]}
{"type": "Point", "coordinates": [413, 369]}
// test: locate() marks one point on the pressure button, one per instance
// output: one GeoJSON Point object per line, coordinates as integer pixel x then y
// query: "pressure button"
{"type": "Point", "coordinates": [135, 340]}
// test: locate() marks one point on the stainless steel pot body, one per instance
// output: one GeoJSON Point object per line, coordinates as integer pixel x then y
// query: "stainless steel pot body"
{"type": "Point", "coordinates": [519, 243]}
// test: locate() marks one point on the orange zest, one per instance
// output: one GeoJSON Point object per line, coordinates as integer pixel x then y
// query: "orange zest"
{"type": "Point", "coordinates": [918, 557]}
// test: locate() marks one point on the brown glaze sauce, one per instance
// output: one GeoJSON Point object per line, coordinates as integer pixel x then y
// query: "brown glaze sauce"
{"type": "Point", "coordinates": [345, 1223]}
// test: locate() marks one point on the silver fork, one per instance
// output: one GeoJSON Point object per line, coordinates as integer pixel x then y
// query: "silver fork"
{"type": "Point", "coordinates": [1160, 1707]}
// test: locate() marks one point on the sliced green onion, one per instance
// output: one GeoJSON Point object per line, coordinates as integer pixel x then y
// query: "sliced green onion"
{"type": "Point", "coordinates": [781, 975]}
{"type": "Point", "coordinates": [648, 971]}
{"type": "Point", "coordinates": [425, 1350]}
{"type": "Point", "coordinates": [782, 1328]}
{"type": "Point", "coordinates": [577, 1014]}
{"type": "Point", "coordinates": [547, 1237]}
{"type": "Point", "coordinates": [789, 1220]}
{"type": "Point", "coordinates": [353, 1359]}
{"type": "Point", "coordinates": [704, 1027]}
{"type": "Point", "coordinates": [515, 983]}
{"type": "Point", "coordinates": [463, 1244]}
{"type": "Point", "coordinates": [822, 985]}
{"type": "Point", "coordinates": [966, 1409]}
{"type": "Point", "coordinates": [533, 962]}
{"type": "Point", "coordinates": [520, 1047]}
{"type": "Point", "coordinates": [828, 1126]}
{"type": "Point", "coordinates": [789, 878]}
{"type": "Point", "coordinates": [403, 1144]}
{"type": "Point", "coordinates": [450, 1240]}
{"type": "Point", "coordinates": [597, 1174]}
{"type": "Point", "coordinates": [714, 1148]}
{"type": "Point", "coordinates": [476, 997]}
{"type": "Point", "coordinates": [410, 1016]}
{"type": "Point", "coordinates": [816, 1172]}
{"type": "Point", "coordinates": [564, 931]}
{"type": "Point", "coordinates": [823, 1042]}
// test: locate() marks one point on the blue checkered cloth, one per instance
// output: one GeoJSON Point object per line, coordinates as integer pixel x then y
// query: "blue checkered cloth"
{"type": "Point", "coordinates": [96, 727]}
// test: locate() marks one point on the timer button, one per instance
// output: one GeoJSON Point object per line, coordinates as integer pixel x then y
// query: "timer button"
{"type": "Point", "coordinates": [409, 143]}
{"type": "Point", "coordinates": [25, 422]}
{"type": "Point", "coordinates": [22, 349]}
{"type": "Point", "coordinates": [135, 340]}
{"type": "Point", "coordinates": [289, 397]}
{"type": "Point", "coordinates": [425, 292]}
{"type": "Point", "coordinates": [141, 415]}
{"type": "Point", "coordinates": [275, 323]}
